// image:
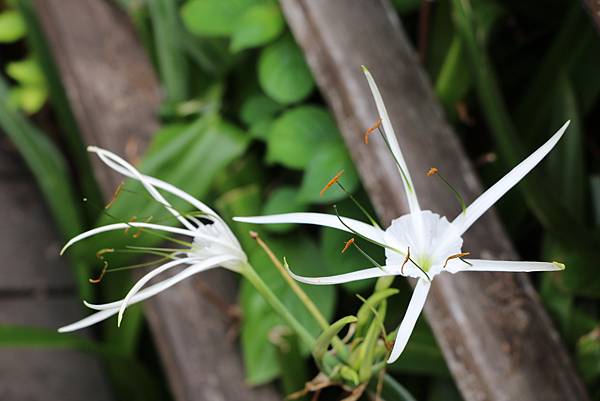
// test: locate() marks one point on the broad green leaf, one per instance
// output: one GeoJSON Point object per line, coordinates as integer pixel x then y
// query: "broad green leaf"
{"type": "Point", "coordinates": [323, 166]}
{"type": "Point", "coordinates": [283, 73]}
{"type": "Point", "coordinates": [12, 26]}
{"type": "Point", "coordinates": [259, 25]}
{"type": "Point", "coordinates": [292, 365]}
{"type": "Point", "coordinates": [26, 72]}
{"type": "Point", "coordinates": [257, 108]}
{"type": "Point", "coordinates": [30, 99]}
{"type": "Point", "coordinates": [283, 200]}
{"type": "Point", "coordinates": [213, 17]}
{"type": "Point", "coordinates": [297, 133]}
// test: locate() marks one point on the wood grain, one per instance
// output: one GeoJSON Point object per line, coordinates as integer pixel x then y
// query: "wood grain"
{"type": "Point", "coordinates": [115, 96]}
{"type": "Point", "coordinates": [37, 289]}
{"type": "Point", "coordinates": [497, 338]}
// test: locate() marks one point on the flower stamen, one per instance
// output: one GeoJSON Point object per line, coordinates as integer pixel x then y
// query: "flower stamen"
{"type": "Point", "coordinates": [371, 130]}
{"type": "Point", "coordinates": [115, 196]}
{"type": "Point", "coordinates": [331, 182]}
{"type": "Point", "coordinates": [348, 244]}
{"type": "Point", "coordinates": [406, 259]}
{"type": "Point", "coordinates": [457, 256]}
{"type": "Point", "coordinates": [435, 171]}
{"type": "Point", "coordinates": [101, 276]}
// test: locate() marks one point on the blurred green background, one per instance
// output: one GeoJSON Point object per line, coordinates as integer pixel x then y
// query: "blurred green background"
{"type": "Point", "coordinates": [241, 106]}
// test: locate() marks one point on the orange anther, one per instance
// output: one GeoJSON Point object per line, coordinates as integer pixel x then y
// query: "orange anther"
{"type": "Point", "coordinates": [348, 244]}
{"type": "Point", "coordinates": [331, 182]}
{"type": "Point", "coordinates": [371, 130]}
{"type": "Point", "coordinates": [432, 171]}
{"type": "Point", "coordinates": [457, 256]}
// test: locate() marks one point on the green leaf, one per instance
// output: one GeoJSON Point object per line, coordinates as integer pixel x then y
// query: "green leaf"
{"type": "Point", "coordinates": [258, 108]}
{"type": "Point", "coordinates": [12, 26]}
{"type": "Point", "coordinates": [282, 200]}
{"type": "Point", "coordinates": [297, 133]}
{"type": "Point", "coordinates": [213, 17]}
{"type": "Point", "coordinates": [26, 72]}
{"type": "Point", "coordinates": [325, 164]}
{"type": "Point", "coordinates": [259, 25]}
{"type": "Point", "coordinates": [283, 73]}
{"type": "Point", "coordinates": [30, 99]}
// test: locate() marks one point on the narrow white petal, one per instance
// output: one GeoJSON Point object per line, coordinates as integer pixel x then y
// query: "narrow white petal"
{"type": "Point", "coordinates": [165, 186]}
{"type": "Point", "coordinates": [167, 283]}
{"type": "Point", "coordinates": [343, 278]}
{"type": "Point", "coordinates": [107, 157]}
{"type": "Point", "coordinates": [389, 133]}
{"type": "Point", "coordinates": [319, 219]}
{"type": "Point", "coordinates": [413, 312]}
{"type": "Point", "coordinates": [106, 313]}
{"type": "Point", "coordinates": [142, 281]}
{"type": "Point", "coordinates": [480, 265]}
{"type": "Point", "coordinates": [123, 226]}
{"type": "Point", "coordinates": [496, 191]}
{"type": "Point", "coordinates": [89, 320]}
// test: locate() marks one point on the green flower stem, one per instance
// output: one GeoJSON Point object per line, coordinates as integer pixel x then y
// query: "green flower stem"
{"type": "Point", "coordinates": [304, 298]}
{"type": "Point", "coordinates": [250, 274]}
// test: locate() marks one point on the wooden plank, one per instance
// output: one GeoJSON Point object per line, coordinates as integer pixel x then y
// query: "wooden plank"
{"type": "Point", "coordinates": [29, 245]}
{"type": "Point", "coordinates": [114, 92]}
{"type": "Point", "coordinates": [45, 374]}
{"type": "Point", "coordinates": [37, 289]}
{"type": "Point", "coordinates": [496, 336]}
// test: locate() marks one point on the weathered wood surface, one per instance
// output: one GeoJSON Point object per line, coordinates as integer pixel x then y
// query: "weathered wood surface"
{"type": "Point", "coordinates": [496, 336]}
{"type": "Point", "coordinates": [37, 289]}
{"type": "Point", "coordinates": [115, 95]}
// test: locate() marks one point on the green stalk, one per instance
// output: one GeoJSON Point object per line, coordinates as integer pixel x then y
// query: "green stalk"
{"type": "Point", "coordinates": [250, 274]}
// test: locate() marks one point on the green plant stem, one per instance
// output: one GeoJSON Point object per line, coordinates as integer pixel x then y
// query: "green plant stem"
{"type": "Point", "coordinates": [250, 274]}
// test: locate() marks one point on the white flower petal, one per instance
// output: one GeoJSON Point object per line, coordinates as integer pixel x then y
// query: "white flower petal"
{"type": "Point", "coordinates": [413, 312]}
{"type": "Point", "coordinates": [165, 186]}
{"type": "Point", "coordinates": [108, 310]}
{"type": "Point", "coordinates": [496, 191]}
{"type": "Point", "coordinates": [123, 226]}
{"type": "Point", "coordinates": [163, 285]}
{"type": "Point", "coordinates": [107, 157]}
{"type": "Point", "coordinates": [481, 265]}
{"type": "Point", "coordinates": [343, 278]}
{"type": "Point", "coordinates": [142, 281]}
{"type": "Point", "coordinates": [319, 219]}
{"type": "Point", "coordinates": [89, 320]}
{"type": "Point", "coordinates": [390, 135]}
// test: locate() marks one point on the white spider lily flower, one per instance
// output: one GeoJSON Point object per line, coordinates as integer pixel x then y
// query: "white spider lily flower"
{"type": "Point", "coordinates": [211, 243]}
{"type": "Point", "coordinates": [420, 244]}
